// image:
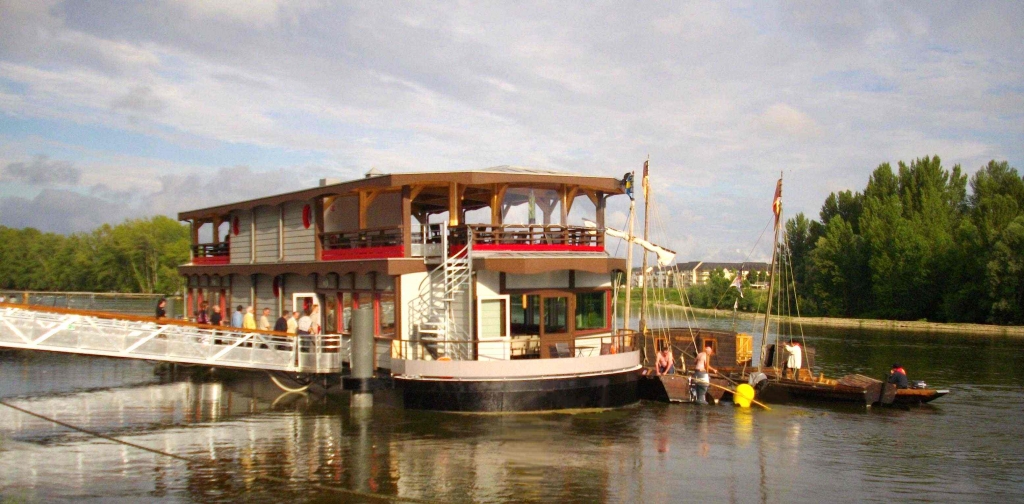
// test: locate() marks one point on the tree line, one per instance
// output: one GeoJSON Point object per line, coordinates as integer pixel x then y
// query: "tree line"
{"type": "Point", "coordinates": [140, 255]}
{"type": "Point", "coordinates": [915, 244]}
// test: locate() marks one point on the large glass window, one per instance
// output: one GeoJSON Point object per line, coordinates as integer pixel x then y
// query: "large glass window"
{"type": "Point", "coordinates": [346, 312]}
{"type": "Point", "coordinates": [591, 310]}
{"type": "Point", "coordinates": [330, 314]}
{"type": "Point", "coordinates": [525, 315]}
{"type": "Point", "coordinates": [556, 315]}
{"type": "Point", "coordinates": [387, 313]}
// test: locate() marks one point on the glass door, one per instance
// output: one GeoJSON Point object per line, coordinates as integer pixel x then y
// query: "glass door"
{"type": "Point", "coordinates": [555, 336]}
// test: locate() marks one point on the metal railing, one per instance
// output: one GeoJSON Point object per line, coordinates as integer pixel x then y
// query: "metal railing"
{"type": "Point", "coordinates": [211, 251]}
{"type": "Point", "coordinates": [363, 238]}
{"type": "Point", "coordinates": [501, 348]}
{"type": "Point", "coordinates": [529, 235]}
{"type": "Point", "coordinates": [166, 340]}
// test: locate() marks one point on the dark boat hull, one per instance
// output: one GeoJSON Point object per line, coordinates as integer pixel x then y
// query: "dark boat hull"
{"type": "Point", "coordinates": [611, 390]}
{"type": "Point", "coordinates": [788, 391]}
{"type": "Point", "coordinates": [675, 388]}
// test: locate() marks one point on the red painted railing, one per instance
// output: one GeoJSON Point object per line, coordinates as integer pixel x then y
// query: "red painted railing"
{"type": "Point", "coordinates": [209, 254]}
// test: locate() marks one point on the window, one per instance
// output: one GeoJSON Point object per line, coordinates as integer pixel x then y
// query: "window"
{"type": "Point", "coordinates": [387, 313]}
{"type": "Point", "coordinates": [591, 310]}
{"type": "Point", "coordinates": [346, 312]}
{"type": "Point", "coordinates": [525, 315]}
{"type": "Point", "coordinates": [491, 314]}
{"type": "Point", "coordinates": [330, 315]}
{"type": "Point", "coordinates": [556, 311]}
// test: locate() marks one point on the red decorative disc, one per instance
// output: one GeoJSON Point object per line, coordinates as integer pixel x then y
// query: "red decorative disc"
{"type": "Point", "coordinates": [307, 214]}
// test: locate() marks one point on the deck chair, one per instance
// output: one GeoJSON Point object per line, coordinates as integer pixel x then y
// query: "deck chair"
{"type": "Point", "coordinates": [562, 349]}
{"type": "Point", "coordinates": [606, 348]}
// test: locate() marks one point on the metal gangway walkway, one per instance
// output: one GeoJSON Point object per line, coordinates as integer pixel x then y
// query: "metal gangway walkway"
{"type": "Point", "coordinates": [132, 337]}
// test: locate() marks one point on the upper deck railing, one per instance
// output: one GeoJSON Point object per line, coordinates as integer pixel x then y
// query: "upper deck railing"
{"type": "Point", "coordinates": [211, 253]}
{"type": "Point", "coordinates": [531, 238]}
{"type": "Point", "coordinates": [387, 242]}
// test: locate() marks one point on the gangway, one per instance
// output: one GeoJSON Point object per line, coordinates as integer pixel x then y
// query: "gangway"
{"type": "Point", "coordinates": [113, 335]}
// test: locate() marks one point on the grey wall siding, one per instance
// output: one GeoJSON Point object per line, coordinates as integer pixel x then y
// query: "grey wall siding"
{"type": "Point", "coordinates": [342, 215]}
{"type": "Point", "coordinates": [240, 243]}
{"type": "Point", "coordinates": [299, 242]}
{"type": "Point", "coordinates": [385, 211]}
{"type": "Point", "coordinates": [267, 233]}
{"type": "Point", "coordinates": [240, 285]}
{"type": "Point", "coordinates": [265, 296]}
{"type": "Point", "coordinates": [293, 284]}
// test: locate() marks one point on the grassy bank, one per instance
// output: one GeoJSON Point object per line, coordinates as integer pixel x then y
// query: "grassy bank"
{"type": "Point", "coordinates": [882, 325]}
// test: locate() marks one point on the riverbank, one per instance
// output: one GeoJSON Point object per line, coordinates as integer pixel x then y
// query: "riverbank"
{"type": "Point", "coordinates": [878, 325]}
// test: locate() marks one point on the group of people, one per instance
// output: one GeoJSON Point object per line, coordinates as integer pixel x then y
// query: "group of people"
{"type": "Point", "coordinates": [305, 322]}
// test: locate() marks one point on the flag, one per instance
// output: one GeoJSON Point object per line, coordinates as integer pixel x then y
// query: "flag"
{"type": "Point", "coordinates": [644, 183]}
{"type": "Point", "coordinates": [738, 283]}
{"type": "Point", "coordinates": [777, 202]}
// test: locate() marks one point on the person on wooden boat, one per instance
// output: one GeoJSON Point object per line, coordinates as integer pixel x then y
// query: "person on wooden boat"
{"type": "Point", "coordinates": [305, 322]}
{"type": "Point", "coordinates": [701, 379]}
{"type": "Point", "coordinates": [666, 363]}
{"type": "Point", "coordinates": [161, 308]}
{"type": "Point", "coordinates": [898, 376]}
{"type": "Point", "coordinates": [795, 359]}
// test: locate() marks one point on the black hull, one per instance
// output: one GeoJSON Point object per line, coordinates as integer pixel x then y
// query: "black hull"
{"type": "Point", "coordinates": [577, 392]}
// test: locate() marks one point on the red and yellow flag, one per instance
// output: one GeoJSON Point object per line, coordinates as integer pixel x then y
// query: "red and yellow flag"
{"type": "Point", "coordinates": [777, 202]}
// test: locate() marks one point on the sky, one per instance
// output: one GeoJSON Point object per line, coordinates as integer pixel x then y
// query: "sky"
{"type": "Point", "coordinates": [116, 110]}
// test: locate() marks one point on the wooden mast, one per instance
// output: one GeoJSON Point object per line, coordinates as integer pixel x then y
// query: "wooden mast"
{"type": "Point", "coordinates": [629, 265]}
{"type": "Point", "coordinates": [642, 326]}
{"type": "Point", "coordinates": [777, 210]}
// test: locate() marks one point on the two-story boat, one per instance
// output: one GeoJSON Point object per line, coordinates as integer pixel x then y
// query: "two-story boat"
{"type": "Point", "coordinates": [477, 306]}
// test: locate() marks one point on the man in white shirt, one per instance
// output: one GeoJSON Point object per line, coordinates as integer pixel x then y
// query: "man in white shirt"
{"type": "Point", "coordinates": [795, 360]}
{"type": "Point", "coordinates": [304, 323]}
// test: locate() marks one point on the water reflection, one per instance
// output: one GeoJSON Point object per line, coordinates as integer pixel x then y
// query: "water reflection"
{"type": "Point", "coordinates": [246, 440]}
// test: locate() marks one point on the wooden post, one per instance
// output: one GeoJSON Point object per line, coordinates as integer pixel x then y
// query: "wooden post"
{"type": "Point", "coordinates": [406, 221]}
{"type": "Point", "coordinates": [216, 230]}
{"type": "Point", "coordinates": [318, 228]}
{"type": "Point", "coordinates": [600, 204]}
{"type": "Point", "coordinates": [454, 204]}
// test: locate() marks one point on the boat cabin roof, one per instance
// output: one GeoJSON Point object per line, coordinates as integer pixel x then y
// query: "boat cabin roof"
{"type": "Point", "coordinates": [433, 187]}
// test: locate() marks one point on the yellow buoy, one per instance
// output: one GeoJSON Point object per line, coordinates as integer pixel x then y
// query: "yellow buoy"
{"type": "Point", "coordinates": [744, 394]}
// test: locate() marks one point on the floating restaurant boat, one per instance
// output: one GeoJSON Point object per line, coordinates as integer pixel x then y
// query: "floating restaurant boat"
{"type": "Point", "coordinates": [476, 306]}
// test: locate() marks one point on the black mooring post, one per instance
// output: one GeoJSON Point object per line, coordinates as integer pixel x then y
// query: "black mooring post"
{"type": "Point", "coordinates": [362, 356]}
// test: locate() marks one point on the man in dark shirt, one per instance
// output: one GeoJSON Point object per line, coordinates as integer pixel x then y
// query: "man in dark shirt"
{"type": "Point", "coordinates": [216, 318]}
{"type": "Point", "coordinates": [161, 308]}
{"type": "Point", "coordinates": [282, 324]}
{"type": "Point", "coordinates": [898, 376]}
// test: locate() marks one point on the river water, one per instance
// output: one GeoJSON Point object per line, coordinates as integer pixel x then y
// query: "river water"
{"type": "Point", "coordinates": [235, 438]}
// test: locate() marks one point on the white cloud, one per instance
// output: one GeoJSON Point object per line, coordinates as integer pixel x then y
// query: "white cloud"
{"type": "Point", "coordinates": [721, 96]}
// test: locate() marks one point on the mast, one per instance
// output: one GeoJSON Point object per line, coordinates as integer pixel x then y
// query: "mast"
{"type": "Point", "coordinates": [777, 210]}
{"type": "Point", "coordinates": [642, 326]}
{"type": "Point", "coordinates": [629, 264]}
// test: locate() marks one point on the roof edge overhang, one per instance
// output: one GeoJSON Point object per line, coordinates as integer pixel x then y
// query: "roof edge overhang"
{"type": "Point", "coordinates": [395, 182]}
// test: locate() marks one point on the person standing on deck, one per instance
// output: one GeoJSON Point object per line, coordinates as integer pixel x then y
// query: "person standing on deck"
{"type": "Point", "coordinates": [201, 315]}
{"type": "Point", "coordinates": [249, 319]}
{"type": "Point", "coordinates": [314, 317]}
{"type": "Point", "coordinates": [282, 322]}
{"type": "Point", "coordinates": [701, 367]}
{"type": "Point", "coordinates": [795, 359]}
{"type": "Point", "coordinates": [161, 308]}
{"type": "Point", "coordinates": [293, 323]}
{"type": "Point", "coordinates": [265, 320]}
{"type": "Point", "coordinates": [237, 316]}
{"type": "Point", "coordinates": [305, 322]}
{"type": "Point", "coordinates": [216, 318]}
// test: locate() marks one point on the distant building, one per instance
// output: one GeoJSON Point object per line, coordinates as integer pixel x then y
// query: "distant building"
{"type": "Point", "coordinates": [699, 272]}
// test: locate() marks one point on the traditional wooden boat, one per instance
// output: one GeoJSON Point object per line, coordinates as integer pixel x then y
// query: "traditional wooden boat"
{"type": "Point", "coordinates": [773, 384]}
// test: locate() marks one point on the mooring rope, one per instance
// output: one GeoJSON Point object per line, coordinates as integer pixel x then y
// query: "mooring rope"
{"type": "Point", "coordinates": [275, 479]}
